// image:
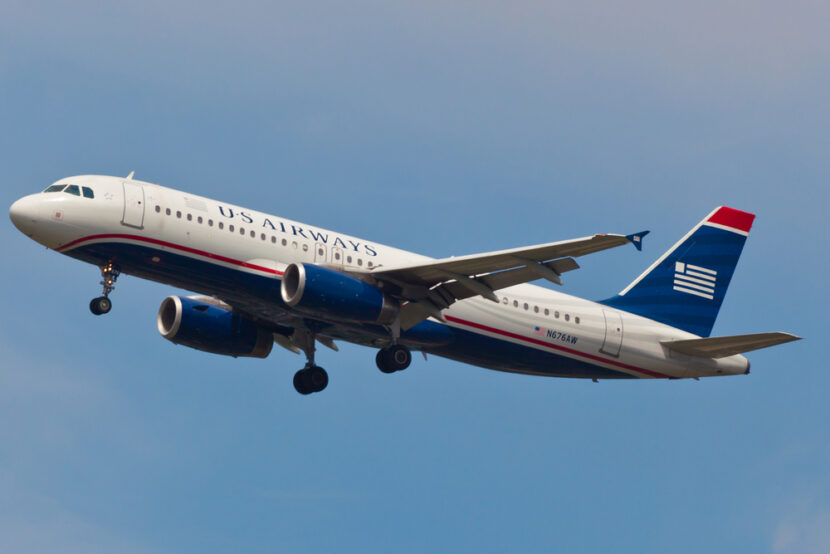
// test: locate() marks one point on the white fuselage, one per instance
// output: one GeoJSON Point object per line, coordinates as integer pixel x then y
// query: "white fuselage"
{"type": "Point", "coordinates": [166, 221]}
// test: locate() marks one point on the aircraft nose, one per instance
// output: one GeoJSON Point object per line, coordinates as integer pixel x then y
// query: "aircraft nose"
{"type": "Point", "coordinates": [24, 214]}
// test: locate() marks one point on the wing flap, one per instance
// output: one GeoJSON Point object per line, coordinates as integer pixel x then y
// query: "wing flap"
{"type": "Point", "coordinates": [508, 278]}
{"type": "Point", "coordinates": [721, 347]}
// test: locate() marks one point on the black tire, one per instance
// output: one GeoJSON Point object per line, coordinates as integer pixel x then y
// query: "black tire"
{"type": "Point", "coordinates": [394, 358]}
{"type": "Point", "coordinates": [380, 360]}
{"type": "Point", "coordinates": [299, 383]}
{"type": "Point", "coordinates": [401, 357]}
{"type": "Point", "coordinates": [317, 378]}
{"type": "Point", "coordinates": [311, 379]}
{"type": "Point", "coordinates": [100, 305]}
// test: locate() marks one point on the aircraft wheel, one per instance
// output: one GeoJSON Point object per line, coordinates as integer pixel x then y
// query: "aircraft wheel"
{"type": "Point", "coordinates": [100, 305]}
{"type": "Point", "coordinates": [311, 379]}
{"type": "Point", "coordinates": [318, 378]}
{"type": "Point", "coordinates": [381, 363]}
{"type": "Point", "coordinates": [394, 358]}
{"type": "Point", "coordinates": [299, 383]}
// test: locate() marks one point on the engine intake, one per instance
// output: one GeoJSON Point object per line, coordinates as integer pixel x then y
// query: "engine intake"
{"type": "Point", "coordinates": [210, 328]}
{"type": "Point", "coordinates": [319, 290]}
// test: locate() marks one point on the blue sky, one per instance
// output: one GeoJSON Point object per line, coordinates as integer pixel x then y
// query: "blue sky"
{"type": "Point", "coordinates": [444, 129]}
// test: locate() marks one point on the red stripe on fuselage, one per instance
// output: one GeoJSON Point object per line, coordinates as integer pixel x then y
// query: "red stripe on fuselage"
{"type": "Point", "coordinates": [554, 347]}
{"type": "Point", "coordinates": [166, 244]}
{"type": "Point", "coordinates": [730, 217]}
{"type": "Point", "coordinates": [217, 257]}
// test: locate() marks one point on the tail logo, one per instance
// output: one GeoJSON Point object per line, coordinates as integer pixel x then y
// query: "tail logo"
{"type": "Point", "coordinates": [696, 280]}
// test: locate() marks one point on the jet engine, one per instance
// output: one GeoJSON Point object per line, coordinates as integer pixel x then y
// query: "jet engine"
{"type": "Point", "coordinates": [319, 290]}
{"type": "Point", "coordinates": [209, 327]}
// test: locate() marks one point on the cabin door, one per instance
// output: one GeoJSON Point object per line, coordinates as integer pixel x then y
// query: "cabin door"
{"type": "Point", "coordinates": [613, 333]}
{"type": "Point", "coordinates": [133, 205]}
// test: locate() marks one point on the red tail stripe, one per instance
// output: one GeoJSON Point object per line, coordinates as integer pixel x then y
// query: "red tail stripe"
{"type": "Point", "coordinates": [554, 347]}
{"type": "Point", "coordinates": [730, 217]}
{"type": "Point", "coordinates": [166, 244]}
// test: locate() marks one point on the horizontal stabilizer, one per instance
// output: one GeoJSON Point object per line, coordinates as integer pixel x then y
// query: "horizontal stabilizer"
{"type": "Point", "coordinates": [721, 347]}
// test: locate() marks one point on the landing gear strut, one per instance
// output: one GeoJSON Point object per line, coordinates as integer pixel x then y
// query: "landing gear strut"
{"type": "Point", "coordinates": [312, 378]}
{"type": "Point", "coordinates": [102, 304]}
{"type": "Point", "coordinates": [393, 358]}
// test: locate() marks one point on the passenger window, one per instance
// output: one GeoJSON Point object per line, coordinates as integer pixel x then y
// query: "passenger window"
{"type": "Point", "coordinates": [319, 251]}
{"type": "Point", "coordinates": [230, 228]}
{"type": "Point", "coordinates": [189, 217]}
{"type": "Point", "coordinates": [210, 223]}
{"type": "Point", "coordinates": [167, 211]}
{"type": "Point", "coordinates": [556, 315]}
{"type": "Point", "coordinates": [337, 255]}
{"type": "Point", "coordinates": [515, 303]}
{"type": "Point", "coordinates": [158, 209]}
{"type": "Point", "coordinates": [253, 234]}
{"type": "Point", "coordinates": [273, 239]}
{"type": "Point", "coordinates": [536, 309]}
{"type": "Point", "coordinates": [221, 225]}
{"type": "Point", "coordinates": [369, 263]}
{"type": "Point", "coordinates": [88, 192]}
{"type": "Point", "coordinates": [576, 320]}
{"type": "Point", "coordinates": [547, 311]}
{"type": "Point", "coordinates": [526, 306]}
{"type": "Point", "coordinates": [262, 236]}
{"type": "Point", "coordinates": [348, 259]}
{"type": "Point", "coordinates": [567, 317]}
{"type": "Point", "coordinates": [305, 248]}
{"type": "Point", "coordinates": [178, 214]}
{"type": "Point", "coordinates": [360, 261]}
{"type": "Point", "coordinates": [199, 219]}
{"type": "Point", "coordinates": [504, 300]}
{"type": "Point", "coordinates": [242, 230]}
{"type": "Point", "coordinates": [284, 242]}
{"type": "Point", "coordinates": [72, 189]}
{"type": "Point", "coordinates": [54, 188]}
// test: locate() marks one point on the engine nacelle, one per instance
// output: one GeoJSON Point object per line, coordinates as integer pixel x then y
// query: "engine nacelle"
{"type": "Point", "coordinates": [211, 328]}
{"type": "Point", "coordinates": [319, 290]}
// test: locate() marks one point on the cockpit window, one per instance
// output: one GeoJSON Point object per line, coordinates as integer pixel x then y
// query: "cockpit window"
{"type": "Point", "coordinates": [88, 192]}
{"type": "Point", "coordinates": [54, 188]}
{"type": "Point", "coordinates": [73, 189]}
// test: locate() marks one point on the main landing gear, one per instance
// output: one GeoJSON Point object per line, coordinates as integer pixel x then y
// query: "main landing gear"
{"type": "Point", "coordinates": [103, 304]}
{"type": "Point", "coordinates": [312, 378]}
{"type": "Point", "coordinates": [393, 358]}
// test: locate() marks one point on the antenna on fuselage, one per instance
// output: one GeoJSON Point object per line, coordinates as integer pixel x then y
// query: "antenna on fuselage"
{"type": "Point", "coordinates": [130, 176]}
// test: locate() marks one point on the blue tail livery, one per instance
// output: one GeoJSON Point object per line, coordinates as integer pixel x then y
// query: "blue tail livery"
{"type": "Point", "coordinates": [685, 287]}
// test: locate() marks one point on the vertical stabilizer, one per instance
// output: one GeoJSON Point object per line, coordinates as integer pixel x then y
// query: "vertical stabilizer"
{"type": "Point", "coordinates": [685, 287]}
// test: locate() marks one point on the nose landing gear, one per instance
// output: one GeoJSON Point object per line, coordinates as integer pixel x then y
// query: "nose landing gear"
{"type": "Point", "coordinates": [103, 304]}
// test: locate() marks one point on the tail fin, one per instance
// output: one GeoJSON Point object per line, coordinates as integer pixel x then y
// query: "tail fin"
{"type": "Point", "coordinates": [685, 287]}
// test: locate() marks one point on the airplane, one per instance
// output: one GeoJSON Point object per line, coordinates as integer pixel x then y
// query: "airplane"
{"type": "Point", "coordinates": [262, 279]}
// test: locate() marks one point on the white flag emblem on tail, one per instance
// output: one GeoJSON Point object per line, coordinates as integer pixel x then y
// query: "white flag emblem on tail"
{"type": "Point", "coordinates": [693, 279]}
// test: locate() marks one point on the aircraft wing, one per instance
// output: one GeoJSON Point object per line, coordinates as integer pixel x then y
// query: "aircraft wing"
{"type": "Point", "coordinates": [721, 347]}
{"type": "Point", "coordinates": [432, 286]}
